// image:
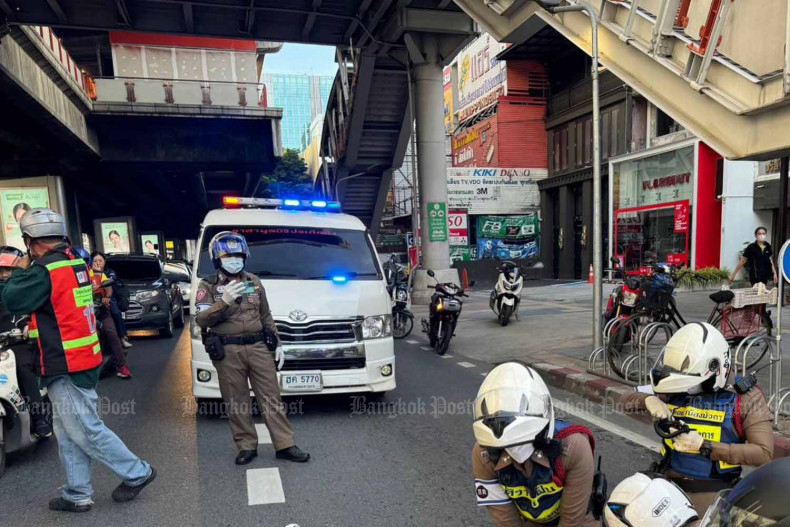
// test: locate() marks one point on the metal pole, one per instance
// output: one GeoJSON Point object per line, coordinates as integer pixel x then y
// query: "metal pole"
{"type": "Point", "coordinates": [597, 218]}
{"type": "Point", "coordinates": [415, 207]}
{"type": "Point", "coordinates": [782, 216]}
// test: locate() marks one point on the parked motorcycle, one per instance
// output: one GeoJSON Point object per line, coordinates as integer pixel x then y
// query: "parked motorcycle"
{"type": "Point", "coordinates": [506, 296]}
{"type": "Point", "coordinates": [15, 430]}
{"type": "Point", "coordinates": [445, 308]}
{"type": "Point", "coordinates": [402, 317]}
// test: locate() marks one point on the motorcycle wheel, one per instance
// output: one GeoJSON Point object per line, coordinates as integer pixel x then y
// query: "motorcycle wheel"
{"type": "Point", "coordinates": [505, 314]}
{"type": "Point", "coordinates": [444, 339]}
{"type": "Point", "coordinates": [401, 325]}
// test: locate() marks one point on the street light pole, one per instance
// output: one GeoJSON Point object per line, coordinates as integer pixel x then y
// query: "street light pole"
{"type": "Point", "coordinates": [597, 217]}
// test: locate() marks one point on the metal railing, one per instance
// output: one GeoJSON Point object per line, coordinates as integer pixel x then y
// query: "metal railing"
{"type": "Point", "coordinates": [58, 55]}
{"type": "Point", "coordinates": [179, 91]}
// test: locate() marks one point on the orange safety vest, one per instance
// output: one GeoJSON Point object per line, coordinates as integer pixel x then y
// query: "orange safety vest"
{"type": "Point", "coordinates": [65, 326]}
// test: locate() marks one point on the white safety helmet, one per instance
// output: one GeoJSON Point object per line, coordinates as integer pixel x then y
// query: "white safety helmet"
{"type": "Point", "coordinates": [639, 501]}
{"type": "Point", "coordinates": [697, 353]}
{"type": "Point", "coordinates": [42, 223]}
{"type": "Point", "coordinates": [513, 407]}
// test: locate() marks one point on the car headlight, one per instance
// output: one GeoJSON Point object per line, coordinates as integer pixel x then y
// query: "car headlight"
{"type": "Point", "coordinates": [196, 330]}
{"type": "Point", "coordinates": [377, 327]}
{"type": "Point", "coordinates": [401, 295]}
{"type": "Point", "coordinates": [146, 295]}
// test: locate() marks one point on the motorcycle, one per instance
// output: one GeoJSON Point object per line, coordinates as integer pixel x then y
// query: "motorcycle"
{"type": "Point", "coordinates": [445, 308]}
{"type": "Point", "coordinates": [15, 419]}
{"type": "Point", "coordinates": [402, 318]}
{"type": "Point", "coordinates": [506, 296]}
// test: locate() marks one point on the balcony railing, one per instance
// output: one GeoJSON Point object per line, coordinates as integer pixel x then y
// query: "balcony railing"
{"type": "Point", "coordinates": [58, 55]}
{"type": "Point", "coordinates": [170, 91]}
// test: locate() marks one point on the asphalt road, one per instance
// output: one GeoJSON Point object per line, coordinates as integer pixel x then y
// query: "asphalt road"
{"type": "Point", "coordinates": [403, 460]}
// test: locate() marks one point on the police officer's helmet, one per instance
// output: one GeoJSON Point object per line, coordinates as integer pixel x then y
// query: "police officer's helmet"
{"type": "Point", "coordinates": [758, 500]}
{"type": "Point", "coordinates": [42, 223]}
{"type": "Point", "coordinates": [85, 255]}
{"type": "Point", "coordinates": [226, 243]}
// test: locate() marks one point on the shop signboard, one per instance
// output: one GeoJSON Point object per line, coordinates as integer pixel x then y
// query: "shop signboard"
{"type": "Point", "coordinates": [661, 178]}
{"type": "Point", "coordinates": [14, 202]}
{"type": "Point", "coordinates": [481, 77]}
{"type": "Point", "coordinates": [437, 222]}
{"type": "Point", "coordinates": [462, 253]}
{"type": "Point", "coordinates": [508, 237]}
{"type": "Point", "coordinates": [458, 225]}
{"type": "Point", "coordinates": [494, 190]}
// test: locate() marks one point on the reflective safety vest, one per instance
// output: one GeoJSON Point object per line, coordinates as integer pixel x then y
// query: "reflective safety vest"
{"type": "Point", "coordinates": [65, 326]}
{"type": "Point", "coordinates": [716, 417]}
{"type": "Point", "coordinates": [538, 497]}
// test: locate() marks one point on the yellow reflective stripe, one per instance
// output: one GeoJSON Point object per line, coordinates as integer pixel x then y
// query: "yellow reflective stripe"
{"type": "Point", "coordinates": [546, 516]}
{"type": "Point", "coordinates": [33, 333]}
{"type": "Point", "coordinates": [689, 412]}
{"type": "Point", "coordinates": [726, 466]}
{"type": "Point", "coordinates": [78, 343]}
{"type": "Point", "coordinates": [709, 432]}
{"type": "Point", "coordinates": [65, 263]}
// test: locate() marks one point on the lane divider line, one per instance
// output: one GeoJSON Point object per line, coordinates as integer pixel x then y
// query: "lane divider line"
{"type": "Point", "coordinates": [264, 486]}
{"type": "Point", "coordinates": [426, 348]}
{"type": "Point", "coordinates": [410, 341]}
{"type": "Point", "coordinates": [446, 356]}
{"type": "Point", "coordinates": [466, 364]}
{"type": "Point", "coordinates": [650, 444]}
{"type": "Point", "coordinates": [264, 438]}
{"type": "Point", "coordinates": [484, 374]}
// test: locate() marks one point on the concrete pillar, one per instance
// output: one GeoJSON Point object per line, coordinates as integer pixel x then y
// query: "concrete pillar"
{"type": "Point", "coordinates": [566, 232]}
{"type": "Point", "coordinates": [431, 165]}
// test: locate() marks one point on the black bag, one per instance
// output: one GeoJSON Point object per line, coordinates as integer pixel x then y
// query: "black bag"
{"type": "Point", "coordinates": [121, 294]}
{"type": "Point", "coordinates": [214, 346]}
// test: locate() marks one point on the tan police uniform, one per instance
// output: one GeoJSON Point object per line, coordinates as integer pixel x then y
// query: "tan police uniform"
{"type": "Point", "coordinates": [245, 361]}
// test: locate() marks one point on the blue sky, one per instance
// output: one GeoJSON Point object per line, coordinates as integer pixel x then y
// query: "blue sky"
{"type": "Point", "coordinates": [302, 58]}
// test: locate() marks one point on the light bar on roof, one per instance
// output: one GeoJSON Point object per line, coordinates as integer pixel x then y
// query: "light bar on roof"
{"type": "Point", "coordinates": [317, 205]}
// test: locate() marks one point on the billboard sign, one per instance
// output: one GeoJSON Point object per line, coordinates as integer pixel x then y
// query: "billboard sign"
{"type": "Point", "coordinates": [494, 190]}
{"type": "Point", "coordinates": [458, 225]}
{"type": "Point", "coordinates": [481, 77]}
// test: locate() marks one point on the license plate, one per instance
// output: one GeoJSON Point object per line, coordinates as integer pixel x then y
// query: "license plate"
{"type": "Point", "coordinates": [301, 382]}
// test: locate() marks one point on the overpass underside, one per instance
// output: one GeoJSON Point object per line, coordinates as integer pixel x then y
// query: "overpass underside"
{"type": "Point", "coordinates": [721, 68]}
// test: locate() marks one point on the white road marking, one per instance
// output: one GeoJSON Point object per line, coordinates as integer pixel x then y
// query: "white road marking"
{"type": "Point", "coordinates": [466, 364]}
{"type": "Point", "coordinates": [426, 348]}
{"type": "Point", "coordinates": [413, 341]}
{"type": "Point", "coordinates": [484, 374]}
{"type": "Point", "coordinates": [264, 486]}
{"type": "Point", "coordinates": [446, 356]}
{"type": "Point", "coordinates": [264, 438]}
{"type": "Point", "coordinates": [650, 444]}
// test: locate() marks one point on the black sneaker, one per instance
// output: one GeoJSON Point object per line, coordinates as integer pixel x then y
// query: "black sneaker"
{"type": "Point", "coordinates": [62, 504]}
{"type": "Point", "coordinates": [293, 453]}
{"type": "Point", "coordinates": [41, 428]}
{"type": "Point", "coordinates": [124, 492]}
{"type": "Point", "coordinates": [246, 456]}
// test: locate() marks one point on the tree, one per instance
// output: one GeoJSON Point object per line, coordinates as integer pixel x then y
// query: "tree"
{"type": "Point", "coordinates": [289, 178]}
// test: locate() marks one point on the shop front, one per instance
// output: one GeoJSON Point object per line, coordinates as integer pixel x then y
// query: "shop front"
{"type": "Point", "coordinates": [665, 207]}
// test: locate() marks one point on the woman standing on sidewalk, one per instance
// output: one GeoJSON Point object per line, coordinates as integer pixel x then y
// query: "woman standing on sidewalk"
{"type": "Point", "coordinates": [693, 384]}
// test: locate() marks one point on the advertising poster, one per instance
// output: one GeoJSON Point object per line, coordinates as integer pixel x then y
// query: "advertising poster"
{"type": "Point", "coordinates": [115, 235]}
{"type": "Point", "coordinates": [481, 77]}
{"type": "Point", "coordinates": [449, 112]}
{"type": "Point", "coordinates": [150, 243]}
{"type": "Point", "coordinates": [494, 190]}
{"type": "Point", "coordinates": [682, 217]}
{"type": "Point", "coordinates": [508, 237]}
{"type": "Point", "coordinates": [87, 244]}
{"type": "Point", "coordinates": [462, 253]}
{"type": "Point", "coordinates": [458, 225]}
{"type": "Point", "coordinates": [437, 222]}
{"type": "Point", "coordinates": [14, 202]}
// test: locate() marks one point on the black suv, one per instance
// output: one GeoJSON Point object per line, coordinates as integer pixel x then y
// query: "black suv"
{"type": "Point", "coordinates": [155, 301]}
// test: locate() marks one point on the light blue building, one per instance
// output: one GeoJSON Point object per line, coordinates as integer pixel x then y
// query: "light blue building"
{"type": "Point", "coordinates": [302, 97]}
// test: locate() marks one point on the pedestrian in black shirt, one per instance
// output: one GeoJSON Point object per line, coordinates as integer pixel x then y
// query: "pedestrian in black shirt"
{"type": "Point", "coordinates": [759, 259]}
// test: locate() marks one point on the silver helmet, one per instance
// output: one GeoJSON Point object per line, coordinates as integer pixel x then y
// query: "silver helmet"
{"type": "Point", "coordinates": [42, 223]}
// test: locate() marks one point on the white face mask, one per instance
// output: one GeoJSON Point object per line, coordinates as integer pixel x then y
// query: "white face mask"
{"type": "Point", "coordinates": [232, 265]}
{"type": "Point", "coordinates": [521, 453]}
{"type": "Point", "coordinates": [761, 237]}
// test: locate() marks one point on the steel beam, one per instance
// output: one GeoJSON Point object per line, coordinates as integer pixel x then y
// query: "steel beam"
{"type": "Point", "coordinates": [189, 21]}
{"type": "Point", "coordinates": [308, 25]}
{"type": "Point", "coordinates": [123, 11]}
{"type": "Point", "coordinates": [365, 70]}
{"type": "Point", "coordinates": [55, 7]}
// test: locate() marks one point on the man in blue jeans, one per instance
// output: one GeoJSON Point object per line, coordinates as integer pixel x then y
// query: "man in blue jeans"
{"type": "Point", "coordinates": [57, 290]}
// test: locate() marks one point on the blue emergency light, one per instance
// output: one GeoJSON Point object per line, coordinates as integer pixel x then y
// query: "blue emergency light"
{"type": "Point", "coordinates": [339, 279]}
{"type": "Point", "coordinates": [291, 202]}
{"type": "Point", "coordinates": [318, 204]}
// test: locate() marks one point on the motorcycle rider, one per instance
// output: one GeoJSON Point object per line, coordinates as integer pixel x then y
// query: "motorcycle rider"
{"type": "Point", "coordinates": [693, 382]}
{"type": "Point", "coordinates": [24, 353]}
{"type": "Point", "coordinates": [529, 468]}
{"type": "Point", "coordinates": [232, 306]}
{"type": "Point", "coordinates": [644, 501]}
{"type": "Point", "coordinates": [759, 499]}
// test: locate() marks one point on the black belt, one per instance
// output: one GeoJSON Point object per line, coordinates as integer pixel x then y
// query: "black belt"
{"type": "Point", "coordinates": [250, 338]}
{"type": "Point", "coordinates": [702, 485]}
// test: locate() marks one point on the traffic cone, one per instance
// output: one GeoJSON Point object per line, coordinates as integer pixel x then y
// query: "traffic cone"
{"type": "Point", "coordinates": [591, 278]}
{"type": "Point", "coordinates": [465, 277]}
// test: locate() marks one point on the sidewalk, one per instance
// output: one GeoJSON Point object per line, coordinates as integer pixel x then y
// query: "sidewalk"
{"type": "Point", "coordinates": [554, 335]}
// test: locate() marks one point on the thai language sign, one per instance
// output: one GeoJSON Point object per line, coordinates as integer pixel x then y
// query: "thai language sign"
{"type": "Point", "coordinates": [481, 77]}
{"type": "Point", "coordinates": [494, 190]}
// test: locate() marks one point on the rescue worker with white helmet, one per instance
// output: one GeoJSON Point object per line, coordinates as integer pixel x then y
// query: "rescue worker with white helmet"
{"type": "Point", "coordinates": [693, 383]}
{"type": "Point", "coordinates": [644, 501]}
{"type": "Point", "coordinates": [529, 468]}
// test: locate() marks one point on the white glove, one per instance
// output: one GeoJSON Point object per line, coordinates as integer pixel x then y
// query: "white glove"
{"type": "Point", "coordinates": [279, 357]}
{"type": "Point", "coordinates": [690, 442]}
{"type": "Point", "coordinates": [233, 291]}
{"type": "Point", "coordinates": [657, 408]}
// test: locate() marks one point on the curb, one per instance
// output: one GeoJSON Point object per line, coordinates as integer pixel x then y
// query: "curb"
{"type": "Point", "coordinates": [600, 390]}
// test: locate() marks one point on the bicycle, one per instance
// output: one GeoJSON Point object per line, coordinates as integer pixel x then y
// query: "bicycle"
{"type": "Point", "coordinates": [739, 323]}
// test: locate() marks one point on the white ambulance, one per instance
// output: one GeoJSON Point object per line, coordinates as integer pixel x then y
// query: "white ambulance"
{"type": "Point", "coordinates": [325, 288]}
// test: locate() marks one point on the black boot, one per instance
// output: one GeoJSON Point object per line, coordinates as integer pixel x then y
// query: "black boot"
{"type": "Point", "coordinates": [124, 492]}
{"type": "Point", "coordinates": [61, 504]}
{"type": "Point", "coordinates": [245, 456]}
{"type": "Point", "coordinates": [293, 453]}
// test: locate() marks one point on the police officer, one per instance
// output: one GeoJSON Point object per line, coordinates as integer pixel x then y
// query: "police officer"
{"type": "Point", "coordinates": [238, 328]}
{"type": "Point", "coordinates": [730, 427]}
{"type": "Point", "coordinates": [529, 468]}
{"type": "Point", "coordinates": [10, 258]}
